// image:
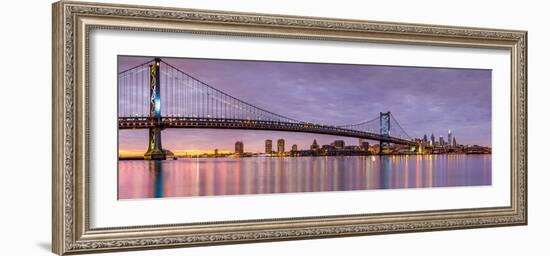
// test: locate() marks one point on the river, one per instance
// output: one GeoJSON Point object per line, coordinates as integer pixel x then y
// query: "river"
{"type": "Point", "coordinates": [187, 177]}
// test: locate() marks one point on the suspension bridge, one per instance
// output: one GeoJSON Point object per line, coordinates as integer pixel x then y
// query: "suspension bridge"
{"type": "Point", "coordinates": [187, 102]}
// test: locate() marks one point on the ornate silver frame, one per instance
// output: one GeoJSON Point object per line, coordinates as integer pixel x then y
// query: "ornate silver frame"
{"type": "Point", "coordinates": [72, 22]}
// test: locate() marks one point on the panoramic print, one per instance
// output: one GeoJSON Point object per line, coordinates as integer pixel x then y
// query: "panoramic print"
{"type": "Point", "coordinates": [210, 127]}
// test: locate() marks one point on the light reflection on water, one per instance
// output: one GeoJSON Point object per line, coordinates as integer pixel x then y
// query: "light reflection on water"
{"type": "Point", "coordinates": [261, 175]}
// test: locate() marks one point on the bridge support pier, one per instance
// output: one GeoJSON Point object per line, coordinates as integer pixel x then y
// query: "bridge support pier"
{"type": "Point", "coordinates": [384, 129]}
{"type": "Point", "coordinates": [155, 150]}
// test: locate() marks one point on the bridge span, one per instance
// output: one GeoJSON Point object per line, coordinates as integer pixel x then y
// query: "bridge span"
{"type": "Point", "coordinates": [218, 123]}
{"type": "Point", "coordinates": [190, 103]}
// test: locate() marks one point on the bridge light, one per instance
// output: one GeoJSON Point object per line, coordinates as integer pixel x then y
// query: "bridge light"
{"type": "Point", "coordinates": [157, 107]}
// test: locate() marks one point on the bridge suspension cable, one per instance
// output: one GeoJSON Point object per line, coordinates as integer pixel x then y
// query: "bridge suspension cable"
{"type": "Point", "coordinates": [190, 96]}
{"type": "Point", "coordinates": [398, 131]}
{"type": "Point", "coordinates": [372, 125]}
{"type": "Point", "coordinates": [142, 65]}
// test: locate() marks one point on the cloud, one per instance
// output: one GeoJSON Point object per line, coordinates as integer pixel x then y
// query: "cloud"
{"type": "Point", "coordinates": [424, 100]}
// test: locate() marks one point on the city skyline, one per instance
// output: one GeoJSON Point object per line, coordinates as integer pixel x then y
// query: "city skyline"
{"type": "Point", "coordinates": [257, 144]}
{"type": "Point", "coordinates": [425, 100]}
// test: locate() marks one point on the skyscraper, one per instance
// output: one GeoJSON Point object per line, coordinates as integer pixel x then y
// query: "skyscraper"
{"type": "Point", "coordinates": [433, 139]}
{"type": "Point", "coordinates": [425, 139]}
{"type": "Point", "coordinates": [280, 146]}
{"type": "Point", "coordinates": [268, 146]}
{"type": "Point", "coordinates": [441, 141]}
{"type": "Point", "coordinates": [449, 138]}
{"type": "Point", "coordinates": [454, 142]}
{"type": "Point", "coordinates": [239, 147]}
{"type": "Point", "coordinates": [294, 147]}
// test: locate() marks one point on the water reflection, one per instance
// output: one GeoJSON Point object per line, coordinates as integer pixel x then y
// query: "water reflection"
{"type": "Point", "coordinates": [155, 167]}
{"type": "Point", "coordinates": [228, 176]}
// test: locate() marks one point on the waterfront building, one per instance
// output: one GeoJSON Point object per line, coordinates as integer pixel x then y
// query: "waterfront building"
{"type": "Point", "coordinates": [314, 146]}
{"type": "Point", "coordinates": [364, 146]}
{"type": "Point", "coordinates": [352, 148]}
{"type": "Point", "coordinates": [239, 147]}
{"type": "Point", "coordinates": [327, 147]}
{"type": "Point", "coordinates": [449, 138]}
{"type": "Point", "coordinates": [425, 139]}
{"type": "Point", "coordinates": [268, 146]}
{"type": "Point", "coordinates": [433, 139]}
{"type": "Point", "coordinates": [280, 146]}
{"type": "Point", "coordinates": [441, 141]}
{"type": "Point", "coordinates": [339, 144]}
{"type": "Point", "coordinates": [294, 151]}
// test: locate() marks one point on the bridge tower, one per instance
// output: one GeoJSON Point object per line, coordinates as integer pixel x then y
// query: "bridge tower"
{"type": "Point", "coordinates": [155, 150]}
{"type": "Point", "coordinates": [385, 127]}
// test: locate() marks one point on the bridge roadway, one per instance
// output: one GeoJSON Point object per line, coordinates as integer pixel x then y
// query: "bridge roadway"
{"type": "Point", "coordinates": [220, 123]}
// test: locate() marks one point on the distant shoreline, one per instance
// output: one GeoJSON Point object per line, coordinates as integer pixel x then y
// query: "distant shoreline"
{"type": "Point", "coordinates": [275, 156]}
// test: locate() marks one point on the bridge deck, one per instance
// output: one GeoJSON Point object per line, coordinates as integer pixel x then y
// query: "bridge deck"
{"type": "Point", "coordinates": [220, 123]}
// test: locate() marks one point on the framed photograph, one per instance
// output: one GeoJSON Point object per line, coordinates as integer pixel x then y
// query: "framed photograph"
{"type": "Point", "coordinates": [179, 127]}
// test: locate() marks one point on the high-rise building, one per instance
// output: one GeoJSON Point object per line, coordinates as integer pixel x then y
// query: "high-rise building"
{"type": "Point", "coordinates": [216, 152]}
{"type": "Point", "coordinates": [314, 146]}
{"type": "Point", "coordinates": [268, 146]}
{"type": "Point", "coordinates": [294, 147]}
{"type": "Point", "coordinates": [433, 139]}
{"type": "Point", "coordinates": [239, 147]}
{"type": "Point", "coordinates": [454, 142]}
{"type": "Point", "coordinates": [449, 138]}
{"type": "Point", "coordinates": [364, 146]}
{"type": "Point", "coordinates": [441, 141]}
{"type": "Point", "coordinates": [280, 146]}
{"type": "Point", "coordinates": [425, 139]}
{"type": "Point", "coordinates": [339, 144]}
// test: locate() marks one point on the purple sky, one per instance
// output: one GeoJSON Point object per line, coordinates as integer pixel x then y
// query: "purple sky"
{"type": "Point", "coordinates": [422, 99]}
